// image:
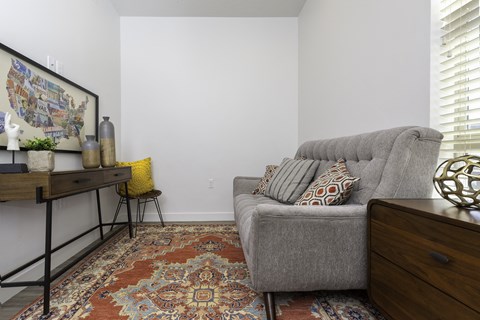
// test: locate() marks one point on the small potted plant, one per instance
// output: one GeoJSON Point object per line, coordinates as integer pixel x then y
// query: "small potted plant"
{"type": "Point", "coordinates": [40, 156]}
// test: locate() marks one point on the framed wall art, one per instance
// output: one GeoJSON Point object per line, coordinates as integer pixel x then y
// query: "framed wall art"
{"type": "Point", "coordinates": [44, 103]}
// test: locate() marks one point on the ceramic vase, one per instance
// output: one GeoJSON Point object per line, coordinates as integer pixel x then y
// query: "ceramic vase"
{"type": "Point", "coordinates": [107, 143]}
{"type": "Point", "coordinates": [90, 153]}
{"type": "Point", "coordinates": [40, 160]}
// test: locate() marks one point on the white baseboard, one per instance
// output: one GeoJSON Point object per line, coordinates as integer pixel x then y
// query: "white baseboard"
{"type": "Point", "coordinates": [188, 216]}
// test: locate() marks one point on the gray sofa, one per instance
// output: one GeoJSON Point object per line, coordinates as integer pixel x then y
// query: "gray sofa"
{"type": "Point", "coordinates": [306, 248]}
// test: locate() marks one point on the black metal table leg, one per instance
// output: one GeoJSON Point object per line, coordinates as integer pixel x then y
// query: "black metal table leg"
{"type": "Point", "coordinates": [99, 207]}
{"type": "Point", "coordinates": [129, 212]}
{"type": "Point", "coordinates": [48, 256]}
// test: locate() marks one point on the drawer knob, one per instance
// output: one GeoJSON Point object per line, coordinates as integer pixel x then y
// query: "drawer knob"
{"type": "Point", "coordinates": [81, 180]}
{"type": "Point", "coordinates": [118, 174]}
{"type": "Point", "coordinates": [443, 259]}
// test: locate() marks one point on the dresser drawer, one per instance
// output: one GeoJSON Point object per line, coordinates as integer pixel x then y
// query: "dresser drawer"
{"type": "Point", "coordinates": [64, 183]}
{"type": "Point", "coordinates": [117, 175]}
{"type": "Point", "coordinates": [445, 256]}
{"type": "Point", "coordinates": [402, 296]}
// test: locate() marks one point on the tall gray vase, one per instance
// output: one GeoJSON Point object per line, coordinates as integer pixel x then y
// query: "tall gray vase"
{"type": "Point", "coordinates": [107, 143]}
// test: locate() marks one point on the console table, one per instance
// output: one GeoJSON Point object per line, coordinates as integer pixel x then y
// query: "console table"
{"type": "Point", "coordinates": [424, 259]}
{"type": "Point", "coordinates": [45, 187]}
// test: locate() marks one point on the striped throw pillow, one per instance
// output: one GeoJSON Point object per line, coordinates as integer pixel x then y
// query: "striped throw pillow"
{"type": "Point", "coordinates": [291, 179]}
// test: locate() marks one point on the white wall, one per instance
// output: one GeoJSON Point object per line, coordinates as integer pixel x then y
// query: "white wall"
{"type": "Point", "coordinates": [208, 98]}
{"type": "Point", "coordinates": [85, 36]}
{"type": "Point", "coordinates": [363, 66]}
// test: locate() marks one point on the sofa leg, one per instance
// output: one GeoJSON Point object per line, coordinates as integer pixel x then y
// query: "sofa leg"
{"type": "Point", "coordinates": [269, 305]}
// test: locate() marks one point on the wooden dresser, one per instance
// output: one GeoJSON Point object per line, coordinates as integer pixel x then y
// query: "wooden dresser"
{"type": "Point", "coordinates": [424, 259]}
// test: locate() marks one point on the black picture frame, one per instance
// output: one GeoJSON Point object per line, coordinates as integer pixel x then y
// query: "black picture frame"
{"type": "Point", "coordinates": [44, 103]}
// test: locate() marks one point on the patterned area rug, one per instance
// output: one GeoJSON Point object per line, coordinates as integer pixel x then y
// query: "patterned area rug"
{"type": "Point", "coordinates": [182, 272]}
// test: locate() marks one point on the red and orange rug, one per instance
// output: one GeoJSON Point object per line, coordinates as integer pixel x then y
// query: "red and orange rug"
{"type": "Point", "coordinates": [182, 272]}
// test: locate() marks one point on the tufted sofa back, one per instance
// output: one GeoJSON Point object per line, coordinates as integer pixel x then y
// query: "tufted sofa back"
{"type": "Point", "coordinates": [393, 163]}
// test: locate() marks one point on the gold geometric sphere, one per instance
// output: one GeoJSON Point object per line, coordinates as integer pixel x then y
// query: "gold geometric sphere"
{"type": "Point", "coordinates": [458, 181]}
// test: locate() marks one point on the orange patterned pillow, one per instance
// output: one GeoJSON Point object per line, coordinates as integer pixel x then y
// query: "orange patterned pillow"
{"type": "Point", "coordinates": [333, 187]}
{"type": "Point", "coordinates": [262, 185]}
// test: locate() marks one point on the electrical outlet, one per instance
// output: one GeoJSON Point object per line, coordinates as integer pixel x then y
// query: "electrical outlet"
{"type": "Point", "coordinates": [51, 63]}
{"type": "Point", "coordinates": [211, 183]}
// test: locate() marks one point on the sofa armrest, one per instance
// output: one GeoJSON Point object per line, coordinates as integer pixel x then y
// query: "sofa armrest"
{"type": "Point", "coordinates": [244, 185]}
{"type": "Point", "coordinates": [303, 248]}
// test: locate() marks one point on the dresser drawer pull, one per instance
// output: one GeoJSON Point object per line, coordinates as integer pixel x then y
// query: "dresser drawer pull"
{"type": "Point", "coordinates": [82, 180]}
{"type": "Point", "coordinates": [118, 174]}
{"type": "Point", "coordinates": [439, 257]}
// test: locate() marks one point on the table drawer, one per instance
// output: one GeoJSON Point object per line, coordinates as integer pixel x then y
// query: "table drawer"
{"type": "Point", "coordinates": [443, 255]}
{"type": "Point", "coordinates": [402, 296]}
{"type": "Point", "coordinates": [117, 175]}
{"type": "Point", "coordinates": [64, 183]}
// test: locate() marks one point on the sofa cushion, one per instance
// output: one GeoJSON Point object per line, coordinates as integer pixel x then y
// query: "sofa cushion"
{"type": "Point", "coordinates": [291, 179]}
{"type": "Point", "coordinates": [262, 184]}
{"type": "Point", "coordinates": [366, 157]}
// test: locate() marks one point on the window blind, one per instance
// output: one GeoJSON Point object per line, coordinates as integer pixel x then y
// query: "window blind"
{"type": "Point", "coordinates": [460, 78]}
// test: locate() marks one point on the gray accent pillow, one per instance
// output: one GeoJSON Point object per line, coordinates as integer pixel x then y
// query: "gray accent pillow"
{"type": "Point", "coordinates": [291, 179]}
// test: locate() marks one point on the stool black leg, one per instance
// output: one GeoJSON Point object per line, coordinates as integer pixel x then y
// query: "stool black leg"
{"type": "Point", "coordinates": [143, 213]}
{"type": "Point", "coordinates": [138, 215]}
{"type": "Point", "coordinates": [159, 211]}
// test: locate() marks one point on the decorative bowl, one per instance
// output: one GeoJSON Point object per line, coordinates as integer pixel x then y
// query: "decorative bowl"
{"type": "Point", "coordinates": [458, 181]}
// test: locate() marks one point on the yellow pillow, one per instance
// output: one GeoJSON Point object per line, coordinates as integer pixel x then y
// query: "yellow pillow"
{"type": "Point", "coordinates": [141, 177]}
